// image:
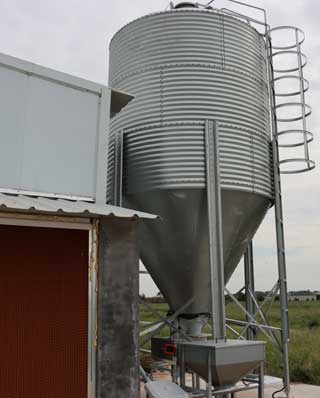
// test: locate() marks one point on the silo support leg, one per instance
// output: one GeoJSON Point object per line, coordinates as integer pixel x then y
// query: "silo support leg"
{"type": "Point", "coordinates": [249, 288]}
{"type": "Point", "coordinates": [215, 230]}
{"type": "Point", "coordinates": [261, 381]}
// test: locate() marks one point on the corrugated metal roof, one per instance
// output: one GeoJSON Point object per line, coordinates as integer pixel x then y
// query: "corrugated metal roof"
{"type": "Point", "coordinates": [65, 207]}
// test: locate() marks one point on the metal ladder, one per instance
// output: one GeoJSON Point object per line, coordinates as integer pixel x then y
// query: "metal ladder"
{"type": "Point", "coordinates": [282, 282]}
{"type": "Point", "coordinates": [281, 257]}
{"type": "Point", "coordinates": [294, 72]}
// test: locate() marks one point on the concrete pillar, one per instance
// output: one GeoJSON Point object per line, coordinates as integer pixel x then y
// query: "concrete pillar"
{"type": "Point", "coordinates": [118, 310]}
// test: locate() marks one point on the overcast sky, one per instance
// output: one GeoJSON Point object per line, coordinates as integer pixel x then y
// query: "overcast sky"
{"type": "Point", "coordinates": [73, 35]}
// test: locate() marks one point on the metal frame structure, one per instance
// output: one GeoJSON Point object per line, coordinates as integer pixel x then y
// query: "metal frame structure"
{"type": "Point", "coordinates": [249, 383]}
{"type": "Point", "coordinates": [178, 370]}
{"type": "Point", "coordinates": [279, 337]}
{"type": "Point", "coordinates": [217, 286]}
{"type": "Point", "coordinates": [256, 313]}
{"type": "Point", "coordinates": [253, 309]}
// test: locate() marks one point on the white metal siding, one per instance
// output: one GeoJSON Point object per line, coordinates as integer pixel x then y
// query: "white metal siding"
{"type": "Point", "coordinates": [49, 130]}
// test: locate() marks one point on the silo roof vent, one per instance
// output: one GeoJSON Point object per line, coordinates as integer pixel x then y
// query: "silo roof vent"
{"type": "Point", "coordinates": [190, 4]}
{"type": "Point", "coordinates": [186, 4]}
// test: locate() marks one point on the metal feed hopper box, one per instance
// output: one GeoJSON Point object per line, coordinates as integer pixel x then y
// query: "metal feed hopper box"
{"type": "Point", "coordinates": [59, 336]}
{"type": "Point", "coordinates": [225, 362]}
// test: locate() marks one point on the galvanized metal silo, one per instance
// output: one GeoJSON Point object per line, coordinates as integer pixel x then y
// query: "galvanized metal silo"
{"type": "Point", "coordinates": [184, 67]}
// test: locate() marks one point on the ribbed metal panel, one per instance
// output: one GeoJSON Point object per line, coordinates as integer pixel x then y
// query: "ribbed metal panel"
{"type": "Point", "coordinates": [31, 204]}
{"type": "Point", "coordinates": [183, 67]}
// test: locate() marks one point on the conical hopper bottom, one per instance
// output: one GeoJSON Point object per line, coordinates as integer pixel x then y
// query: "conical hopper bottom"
{"type": "Point", "coordinates": [230, 361]}
{"type": "Point", "coordinates": [175, 249]}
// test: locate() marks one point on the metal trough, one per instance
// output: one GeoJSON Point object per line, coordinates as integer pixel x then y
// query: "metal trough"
{"type": "Point", "coordinates": [227, 361]}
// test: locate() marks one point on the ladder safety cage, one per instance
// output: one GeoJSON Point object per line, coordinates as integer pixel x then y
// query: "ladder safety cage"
{"type": "Point", "coordinates": [291, 129]}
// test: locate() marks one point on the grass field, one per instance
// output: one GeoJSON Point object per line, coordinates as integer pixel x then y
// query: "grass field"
{"type": "Point", "coordinates": [304, 347]}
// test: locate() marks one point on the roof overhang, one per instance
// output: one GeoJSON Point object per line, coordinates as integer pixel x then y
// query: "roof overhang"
{"type": "Point", "coordinates": [62, 207]}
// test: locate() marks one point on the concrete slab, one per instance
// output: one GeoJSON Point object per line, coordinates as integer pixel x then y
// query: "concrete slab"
{"type": "Point", "coordinates": [297, 390]}
{"type": "Point", "coordinates": [164, 389]}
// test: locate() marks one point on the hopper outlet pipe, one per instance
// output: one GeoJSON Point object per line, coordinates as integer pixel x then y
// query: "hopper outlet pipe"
{"type": "Point", "coordinates": [193, 326]}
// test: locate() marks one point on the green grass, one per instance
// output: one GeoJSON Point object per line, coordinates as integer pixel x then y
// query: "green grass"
{"type": "Point", "coordinates": [304, 354]}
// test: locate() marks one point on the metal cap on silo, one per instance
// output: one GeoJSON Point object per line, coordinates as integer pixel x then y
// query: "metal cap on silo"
{"type": "Point", "coordinates": [185, 4]}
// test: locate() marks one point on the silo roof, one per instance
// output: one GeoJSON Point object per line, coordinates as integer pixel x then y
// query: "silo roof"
{"type": "Point", "coordinates": [37, 204]}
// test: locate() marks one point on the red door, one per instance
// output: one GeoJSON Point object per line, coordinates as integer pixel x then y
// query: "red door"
{"type": "Point", "coordinates": [43, 312]}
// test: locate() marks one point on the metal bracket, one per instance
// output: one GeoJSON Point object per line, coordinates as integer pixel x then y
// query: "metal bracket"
{"type": "Point", "coordinates": [156, 327]}
{"type": "Point", "coordinates": [118, 168]}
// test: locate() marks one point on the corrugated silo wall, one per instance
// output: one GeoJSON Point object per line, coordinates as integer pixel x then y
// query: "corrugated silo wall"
{"type": "Point", "coordinates": [183, 67]}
